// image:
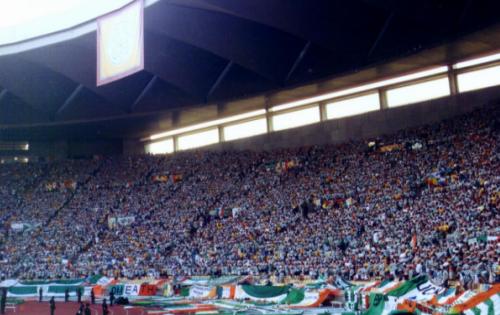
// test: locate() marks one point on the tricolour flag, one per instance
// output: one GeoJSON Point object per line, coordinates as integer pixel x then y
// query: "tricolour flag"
{"type": "Point", "coordinates": [418, 289]}
{"type": "Point", "coordinates": [484, 303]}
{"type": "Point", "coordinates": [386, 286]}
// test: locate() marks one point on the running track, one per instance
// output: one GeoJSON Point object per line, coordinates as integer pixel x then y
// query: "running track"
{"type": "Point", "coordinates": [70, 308]}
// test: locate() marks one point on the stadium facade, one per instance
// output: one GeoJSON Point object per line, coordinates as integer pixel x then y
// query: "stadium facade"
{"type": "Point", "coordinates": [193, 83]}
{"type": "Point", "coordinates": [355, 106]}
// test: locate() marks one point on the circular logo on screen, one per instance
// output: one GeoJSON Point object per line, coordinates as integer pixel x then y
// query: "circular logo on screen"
{"type": "Point", "coordinates": [121, 42]}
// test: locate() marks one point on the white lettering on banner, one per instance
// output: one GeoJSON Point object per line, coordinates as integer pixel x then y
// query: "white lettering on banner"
{"type": "Point", "coordinates": [430, 289]}
{"type": "Point", "coordinates": [131, 290]}
{"type": "Point", "coordinates": [424, 292]}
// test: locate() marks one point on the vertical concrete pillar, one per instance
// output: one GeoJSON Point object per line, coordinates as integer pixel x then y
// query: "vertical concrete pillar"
{"type": "Point", "coordinates": [383, 98]}
{"type": "Point", "coordinates": [221, 134]}
{"type": "Point", "coordinates": [452, 78]}
{"type": "Point", "coordinates": [269, 117]}
{"type": "Point", "coordinates": [176, 143]}
{"type": "Point", "coordinates": [322, 111]}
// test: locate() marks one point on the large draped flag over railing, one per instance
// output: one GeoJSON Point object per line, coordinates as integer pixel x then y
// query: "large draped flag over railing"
{"type": "Point", "coordinates": [484, 303]}
{"type": "Point", "coordinates": [420, 296]}
{"type": "Point", "coordinates": [120, 43]}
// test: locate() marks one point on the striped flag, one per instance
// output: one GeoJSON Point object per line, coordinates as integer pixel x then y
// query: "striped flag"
{"type": "Point", "coordinates": [484, 303]}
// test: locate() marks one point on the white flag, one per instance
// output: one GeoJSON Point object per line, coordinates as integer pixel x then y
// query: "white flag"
{"type": "Point", "coordinates": [120, 43]}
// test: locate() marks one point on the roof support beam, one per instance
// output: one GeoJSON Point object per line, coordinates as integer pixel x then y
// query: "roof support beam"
{"type": "Point", "coordinates": [71, 97]}
{"type": "Point", "coordinates": [220, 78]}
{"type": "Point", "coordinates": [381, 33]}
{"type": "Point", "coordinates": [298, 60]}
{"type": "Point", "coordinates": [465, 10]}
{"type": "Point", "coordinates": [2, 94]}
{"type": "Point", "coordinates": [144, 92]}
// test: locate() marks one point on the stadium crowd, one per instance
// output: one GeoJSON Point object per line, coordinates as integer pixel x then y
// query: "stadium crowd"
{"type": "Point", "coordinates": [423, 200]}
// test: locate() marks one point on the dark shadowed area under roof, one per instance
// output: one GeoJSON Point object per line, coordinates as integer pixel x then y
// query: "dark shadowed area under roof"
{"type": "Point", "coordinates": [210, 51]}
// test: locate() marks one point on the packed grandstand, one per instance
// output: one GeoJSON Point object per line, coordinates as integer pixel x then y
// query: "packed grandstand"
{"type": "Point", "coordinates": [422, 201]}
{"type": "Point", "coordinates": [215, 157]}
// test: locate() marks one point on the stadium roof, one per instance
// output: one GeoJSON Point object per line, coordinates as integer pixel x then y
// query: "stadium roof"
{"type": "Point", "coordinates": [210, 51]}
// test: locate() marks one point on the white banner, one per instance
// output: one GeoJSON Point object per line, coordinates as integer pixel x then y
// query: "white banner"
{"type": "Point", "coordinates": [8, 283]}
{"type": "Point", "coordinates": [120, 43]}
{"type": "Point", "coordinates": [123, 221]}
{"type": "Point", "coordinates": [111, 223]}
{"type": "Point", "coordinates": [240, 294]}
{"type": "Point", "coordinates": [199, 291]}
{"type": "Point", "coordinates": [423, 292]}
{"type": "Point", "coordinates": [131, 289]}
{"type": "Point", "coordinates": [17, 227]}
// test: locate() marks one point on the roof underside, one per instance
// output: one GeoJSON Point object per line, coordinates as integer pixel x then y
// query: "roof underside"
{"type": "Point", "coordinates": [209, 51]}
